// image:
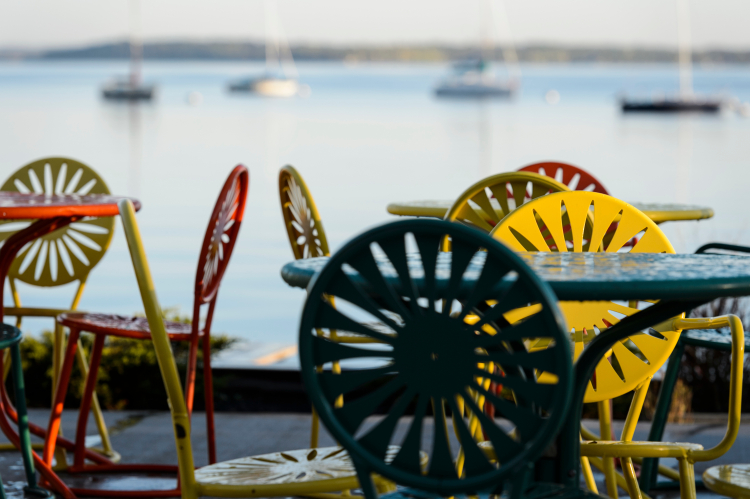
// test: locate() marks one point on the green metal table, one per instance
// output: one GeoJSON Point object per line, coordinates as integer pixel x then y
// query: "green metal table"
{"type": "Point", "coordinates": [680, 282]}
{"type": "Point", "coordinates": [658, 212]}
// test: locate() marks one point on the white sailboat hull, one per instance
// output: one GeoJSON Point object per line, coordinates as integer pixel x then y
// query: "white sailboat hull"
{"type": "Point", "coordinates": [269, 87]}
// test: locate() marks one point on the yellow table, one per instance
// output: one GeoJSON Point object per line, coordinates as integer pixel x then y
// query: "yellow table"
{"type": "Point", "coordinates": [658, 212]}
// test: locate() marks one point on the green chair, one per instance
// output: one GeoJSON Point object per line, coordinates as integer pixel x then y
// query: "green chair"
{"type": "Point", "coordinates": [10, 337]}
{"type": "Point", "coordinates": [434, 360]}
{"type": "Point", "coordinates": [716, 339]}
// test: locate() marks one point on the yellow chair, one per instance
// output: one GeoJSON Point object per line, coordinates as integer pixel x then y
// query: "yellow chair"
{"type": "Point", "coordinates": [485, 203]}
{"type": "Point", "coordinates": [302, 472]}
{"type": "Point", "coordinates": [731, 480]}
{"type": "Point", "coordinates": [303, 225]}
{"type": "Point", "coordinates": [63, 257]}
{"type": "Point", "coordinates": [725, 480]}
{"type": "Point", "coordinates": [581, 221]}
{"type": "Point", "coordinates": [308, 240]}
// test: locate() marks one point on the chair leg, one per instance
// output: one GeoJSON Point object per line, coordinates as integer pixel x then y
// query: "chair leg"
{"type": "Point", "coordinates": [23, 424]}
{"type": "Point", "coordinates": [649, 468]}
{"type": "Point", "coordinates": [6, 411]}
{"type": "Point", "coordinates": [96, 408]}
{"type": "Point", "coordinates": [687, 479]}
{"type": "Point", "coordinates": [629, 472]}
{"type": "Point", "coordinates": [315, 429]}
{"type": "Point", "coordinates": [53, 428]}
{"type": "Point", "coordinates": [88, 394]}
{"type": "Point", "coordinates": [58, 355]}
{"type": "Point", "coordinates": [605, 429]}
{"type": "Point", "coordinates": [588, 475]}
{"type": "Point", "coordinates": [208, 389]}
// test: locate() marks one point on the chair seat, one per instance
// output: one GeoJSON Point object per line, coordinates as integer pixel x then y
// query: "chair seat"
{"type": "Point", "coordinates": [615, 448]}
{"type": "Point", "coordinates": [718, 339]}
{"type": "Point", "coordinates": [331, 466]}
{"type": "Point", "coordinates": [731, 480]}
{"type": "Point", "coordinates": [121, 325]}
{"type": "Point", "coordinates": [9, 335]}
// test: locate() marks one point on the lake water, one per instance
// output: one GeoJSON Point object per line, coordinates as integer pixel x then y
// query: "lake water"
{"type": "Point", "coordinates": [366, 136]}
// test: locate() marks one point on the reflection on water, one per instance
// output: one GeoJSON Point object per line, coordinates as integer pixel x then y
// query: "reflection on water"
{"type": "Point", "coordinates": [368, 135]}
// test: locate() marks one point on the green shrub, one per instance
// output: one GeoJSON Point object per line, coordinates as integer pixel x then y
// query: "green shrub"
{"type": "Point", "coordinates": [129, 376]}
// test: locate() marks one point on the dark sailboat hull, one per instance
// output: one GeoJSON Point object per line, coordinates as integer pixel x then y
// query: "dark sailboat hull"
{"type": "Point", "coordinates": [671, 106]}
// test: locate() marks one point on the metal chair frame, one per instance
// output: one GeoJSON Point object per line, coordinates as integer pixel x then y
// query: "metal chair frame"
{"type": "Point", "coordinates": [216, 250]}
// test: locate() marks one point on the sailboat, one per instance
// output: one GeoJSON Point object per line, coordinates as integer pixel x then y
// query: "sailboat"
{"type": "Point", "coordinates": [280, 77]}
{"type": "Point", "coordinates": [686, 100]}
{"type": "Point", "coordinates": [131, 88]}
{"type": "Point", "coordinates": [474, 79]}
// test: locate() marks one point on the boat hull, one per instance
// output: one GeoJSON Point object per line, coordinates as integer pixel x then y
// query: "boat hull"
{"type": "Point", "coordinates": [473, 91]}
{"type": "Point", "coordinates": [269, 87]}
{"type": "Point", "coordinates": [671, 106]}
{"type": "Point", "coordinates": [128, 93]}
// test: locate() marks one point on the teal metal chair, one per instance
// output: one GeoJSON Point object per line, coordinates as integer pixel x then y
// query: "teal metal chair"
{"type": "Point", "coordinates": [430, 358]}
{"type": "Point", "coordinates": [716, 339]}
{"type": "Point", "coordinates": [10, 337]}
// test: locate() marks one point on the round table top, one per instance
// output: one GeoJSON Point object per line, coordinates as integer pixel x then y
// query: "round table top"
{"type": "Point", "coordinates": [658, 212]}
{"type": "Point", "coordinates": [18, 206]}
{"type": "Point", "coordinates": [587, 276]}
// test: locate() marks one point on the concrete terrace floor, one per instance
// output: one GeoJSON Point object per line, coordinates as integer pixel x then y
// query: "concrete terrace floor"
{"type": "Point", "coordinates": [147, 437]}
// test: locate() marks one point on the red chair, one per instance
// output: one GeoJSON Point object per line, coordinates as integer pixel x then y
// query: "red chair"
{"type": "Point", "coordinates": [566, 174]}
{"type": "Point", "coordinates": [218, 243]}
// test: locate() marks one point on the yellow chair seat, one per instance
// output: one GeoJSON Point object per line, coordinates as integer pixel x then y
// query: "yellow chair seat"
{"type": "Point", "coordinates": [618, 448]}
{"type": "Point", "coordinates": [731, 480]}
{"type": "Point", "coordinates": [331, 466]}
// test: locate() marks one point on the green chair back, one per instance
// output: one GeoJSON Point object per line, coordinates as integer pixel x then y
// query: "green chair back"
{"type": "Point", "coordinates": [442, 332]}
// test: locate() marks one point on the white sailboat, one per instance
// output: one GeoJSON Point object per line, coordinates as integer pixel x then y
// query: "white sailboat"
{"type": "Point", "coordinates": [474, 79]}
{"type": "Point", "coordinates": [280, 78]}
{"type": "Point", "coordinates": [131, 88]}
{"type": "Point", "coordinates": [686, 100]}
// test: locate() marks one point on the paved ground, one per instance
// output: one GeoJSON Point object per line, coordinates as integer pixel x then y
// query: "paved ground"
{"type": "Point", "coordinates": [147, 437]}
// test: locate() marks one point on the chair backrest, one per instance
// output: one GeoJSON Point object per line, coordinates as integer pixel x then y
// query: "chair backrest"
{"type": "Point", "coordinates": [67, 254]}
{"type": "Point", "coordinates": [485, 203]}
{"type": "Point", "coordinates": [221, 236]}
{"type": "Point", "coordinates": [162, 346]}
{"type": "Point", "coordinates": [575, 178]}
{"type": "Point", "coordinates": [303, 225]}
{"type": "Point", "coordinates": [428, 357]}
{"type": "Point", "coordinates": [580, 221]}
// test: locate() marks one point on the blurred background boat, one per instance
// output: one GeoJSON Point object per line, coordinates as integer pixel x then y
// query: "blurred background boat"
{"type": "Point", "coordinates": [686, 100]}
{"type": "Point", "coordinates": [281, 77]}
{"type": "Point", "coordinates": [475, 78]}
{"type": "Point", "coordinates": [131, 88]}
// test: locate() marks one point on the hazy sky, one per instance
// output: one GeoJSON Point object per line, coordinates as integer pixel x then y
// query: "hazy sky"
{"type": "Point", "coordinates": [54, 23]}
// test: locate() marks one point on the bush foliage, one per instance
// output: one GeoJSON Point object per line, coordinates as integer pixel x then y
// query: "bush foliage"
{"type": "Point", "coordinates": [129, 376]}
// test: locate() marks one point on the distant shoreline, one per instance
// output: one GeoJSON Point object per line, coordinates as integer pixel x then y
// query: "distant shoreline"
{"type": "Point", "coordinates": [254, 51]}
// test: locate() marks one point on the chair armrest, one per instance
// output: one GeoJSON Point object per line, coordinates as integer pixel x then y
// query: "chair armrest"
{"type": "Point", "coordinates": [735, 379]}
{"type": "Point", "coordinates": [618, 448]}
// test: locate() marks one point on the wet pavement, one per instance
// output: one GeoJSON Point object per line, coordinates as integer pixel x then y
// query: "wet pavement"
{"type": "Point", "coordinates": [146, 437]}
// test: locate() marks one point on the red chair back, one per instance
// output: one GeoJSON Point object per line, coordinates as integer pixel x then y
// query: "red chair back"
{"type": "Point", "coordinates": [221, 235]}
{"type": "Point", "coordinates": [568, 173]}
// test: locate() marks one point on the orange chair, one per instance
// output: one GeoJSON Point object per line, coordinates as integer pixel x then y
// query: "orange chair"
{"type": "Point", "coordinates": [575, 178]}
{"type": "Point", "coordinates": [218, 243]}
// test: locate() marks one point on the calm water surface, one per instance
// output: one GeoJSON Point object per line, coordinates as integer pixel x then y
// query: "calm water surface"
{"type": "Point", "coordinates": [368, 135]}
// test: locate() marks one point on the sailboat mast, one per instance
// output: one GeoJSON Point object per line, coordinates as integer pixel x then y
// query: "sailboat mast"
{"type": "Point", "coordinates": [685, 48]}
{"type": "Point", "coordinates": [136, 47]}
{"type": "Point", "coordinates": [272, 37]}
{"type": "Point", "coordinates": [486, 46]}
